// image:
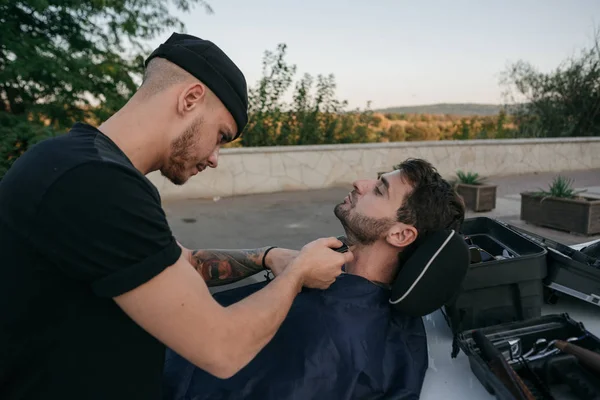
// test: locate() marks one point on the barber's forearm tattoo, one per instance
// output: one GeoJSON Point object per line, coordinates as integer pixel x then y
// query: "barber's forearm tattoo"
{"type": "Point", "coordinates": [221, 267]}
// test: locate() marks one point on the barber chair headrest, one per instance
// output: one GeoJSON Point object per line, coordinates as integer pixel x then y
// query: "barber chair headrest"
{"type": "Point", "coordinates": [431, 273]}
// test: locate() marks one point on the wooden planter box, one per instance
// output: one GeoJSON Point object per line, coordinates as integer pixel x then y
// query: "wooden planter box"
{"type": "Point", "coordinates": [478, 198]}
{"type": "Point", "coordinates": [580, 215]}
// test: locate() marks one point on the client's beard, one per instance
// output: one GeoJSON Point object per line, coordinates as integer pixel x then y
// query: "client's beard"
{"type": "Point", "coordinates": [361, 229]}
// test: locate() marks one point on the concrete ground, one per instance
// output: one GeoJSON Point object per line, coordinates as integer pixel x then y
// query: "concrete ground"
{"type": "Point", "coordinates": [291, 219]}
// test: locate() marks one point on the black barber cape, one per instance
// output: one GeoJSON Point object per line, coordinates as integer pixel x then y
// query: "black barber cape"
{"type": "Point", "coordinates": [342, 343]}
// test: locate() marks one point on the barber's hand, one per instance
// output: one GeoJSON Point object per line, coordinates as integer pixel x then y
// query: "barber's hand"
{"type": "Point", "coordinates": [319, 264]}
{"type": "Point", "coordinates": [279, 259]}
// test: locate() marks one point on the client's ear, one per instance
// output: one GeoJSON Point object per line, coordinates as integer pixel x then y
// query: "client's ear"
{"type": "Point", "coordinates": [402, 235]}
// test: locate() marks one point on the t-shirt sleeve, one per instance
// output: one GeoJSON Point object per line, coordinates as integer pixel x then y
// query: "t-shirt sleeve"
{"type": "Point", "coordinates": [101, 223]}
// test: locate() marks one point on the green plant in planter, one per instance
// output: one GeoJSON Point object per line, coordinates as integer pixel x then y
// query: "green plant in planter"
{"type": "Point", "coordinates": [561, 187]}
{"type": "Point", "coordinates": [469, 178]}
{"type": "Point", "coordinates": [476, 193]}
{"type": "Point", "coordinates": [561, 207]}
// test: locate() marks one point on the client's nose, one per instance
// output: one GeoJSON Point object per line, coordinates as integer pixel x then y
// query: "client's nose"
{"type": "Point", "coordinates": [360, 186]}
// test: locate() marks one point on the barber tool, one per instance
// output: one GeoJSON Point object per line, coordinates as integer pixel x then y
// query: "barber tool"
{"type": "Point", "coordinates": [475, 255]}
{"type": "Point", "coordinates": [510, 349]}
{"type": "Point", "coordinates": [479, 255]}
{"type": "Point", "coordinates": [539, 344]}
{"type": "Point", "coordinates": [344, 247]}
{"type": "Point", "coordinates": [586, 357]}
{"type": "Point", "coordinates": [551, 349]}
{"type": "Point", "coordinates": [501, 368]}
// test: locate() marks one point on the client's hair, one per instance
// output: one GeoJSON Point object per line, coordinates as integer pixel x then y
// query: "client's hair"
{"type": "Point", "coordinates": [433, 204]}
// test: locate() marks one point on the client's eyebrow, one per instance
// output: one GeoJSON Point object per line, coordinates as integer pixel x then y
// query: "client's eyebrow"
{"type": "Point", "coordinates": [386, 183]}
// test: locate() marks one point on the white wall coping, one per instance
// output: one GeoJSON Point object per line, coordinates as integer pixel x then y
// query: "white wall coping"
{"type": "Point", "coordinates": [249, 170]}
{"type": "Point", "coordinates": [389, 145]}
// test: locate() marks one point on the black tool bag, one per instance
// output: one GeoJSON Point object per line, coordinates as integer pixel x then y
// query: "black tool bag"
{"type": "Point", "coordinates": [513, 272]}
{"type": "Point", "coordinates": [571, 272]}
{"type": "Point", "coordinates": [504, 284]}
{"type": "Point", "coordinates": [528, 348]}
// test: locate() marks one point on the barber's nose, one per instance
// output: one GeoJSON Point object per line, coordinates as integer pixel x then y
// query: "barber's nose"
{"type": "Point", "coordinates": [213, 160]}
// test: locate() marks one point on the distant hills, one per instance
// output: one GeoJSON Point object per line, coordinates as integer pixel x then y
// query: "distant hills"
{"type": "Point", "coordinates": [463, 109]}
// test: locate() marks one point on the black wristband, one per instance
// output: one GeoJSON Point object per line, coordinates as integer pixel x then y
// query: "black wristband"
{"type": "Point", "coordinates": [265, 256]}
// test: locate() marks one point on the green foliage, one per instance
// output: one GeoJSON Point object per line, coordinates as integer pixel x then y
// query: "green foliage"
{"type": "Point", "coordinates": [395, 116]}
{"type": "Point", "coordinates": [314, 116]}
{"type": "Point", "coordinates": [415, 133]}
{"type": "Point", "coordinates": [63, 61]}
{"type": "Point", "coordinates": [501, 130]}
{"type": "Point", "coordinates": [469, 178]}
{"type": "Point", "coordinates": [69, 60]}
{"type": "Point", "coordinates": [396, 133]}
{"type": "Point", "coordinates": [464, 130]}
{"type": "Point", "coordinates": [17, 134]}
{"type": "Point", "coordinates": [562, 103]}
{"type": "Point", "coordinates": [265, 102]}
{"type": "Point", "coordinates": [560, 187]}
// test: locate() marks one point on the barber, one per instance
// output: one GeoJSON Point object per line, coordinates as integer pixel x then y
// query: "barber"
{"type": "Point", "coordinates": [93, 285]}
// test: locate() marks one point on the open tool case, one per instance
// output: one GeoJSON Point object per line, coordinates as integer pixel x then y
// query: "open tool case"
{"type": "Point", "coordinates": [505, 285]}
{"type": "Point", "coordinates": [512, 273]}
{"type": "Point", "coordinates": [557, 376]}
{"type": "Point", "coordinates": [572, 272]}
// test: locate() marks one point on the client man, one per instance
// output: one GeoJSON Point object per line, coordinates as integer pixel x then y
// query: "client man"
{"type": "Point", "coordinates": [345, 342]}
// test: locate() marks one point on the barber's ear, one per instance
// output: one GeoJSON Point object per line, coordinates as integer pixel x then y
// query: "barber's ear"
{"type": "Point", "coordinates": [190, 98]}
{"type": "Point", "coordinates": [402, 235]}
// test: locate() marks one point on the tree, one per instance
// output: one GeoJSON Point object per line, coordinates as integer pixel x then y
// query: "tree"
{"type": "Point", "coordinates": [63, 61]}
{"type": "Point", "coordinates": [265, 102]}
{"type": "Point", "coordinates": [563, 102]}
{"type": "Point", "coordinates": [314, 115]}
{"type": "Point", "coordinates": [67, 60]}
{"type": "Point", "coordinates": [396, 133]}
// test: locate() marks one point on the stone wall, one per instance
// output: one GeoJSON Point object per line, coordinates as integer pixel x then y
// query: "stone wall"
{"type": "Point", "coordinates": [272, 169]}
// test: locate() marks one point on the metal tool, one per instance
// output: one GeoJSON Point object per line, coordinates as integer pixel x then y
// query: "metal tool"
{"type": "Point", "coordinates": [500, 368]}
{"type": "Point", "coordinates": [511, 349]}
{"type": "Point", "coordinates": [541, 349]}
{"type": "Point", "coordinates": [537, 347]}
{"type": "Point", "coordinates": [515, 348]}
{"type": "Point", "coordinates": [549, 350]}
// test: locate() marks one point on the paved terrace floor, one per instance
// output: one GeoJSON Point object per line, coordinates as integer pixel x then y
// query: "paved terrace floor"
{"type": "Point", "coordinates": [294, 218]}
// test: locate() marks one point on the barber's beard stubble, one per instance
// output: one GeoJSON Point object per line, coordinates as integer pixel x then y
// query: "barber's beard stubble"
{"type": "Point", "coordinates": [361, 229]}
{"type": "Point", "coordinates": [182, 151]}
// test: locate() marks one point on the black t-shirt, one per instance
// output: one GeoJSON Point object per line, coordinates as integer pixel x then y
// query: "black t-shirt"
{"type": "Point", "coordinates": [78, 226]}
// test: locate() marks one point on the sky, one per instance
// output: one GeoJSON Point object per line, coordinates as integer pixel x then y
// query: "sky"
{"type": "Point", "coordinates": [396, 53]}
